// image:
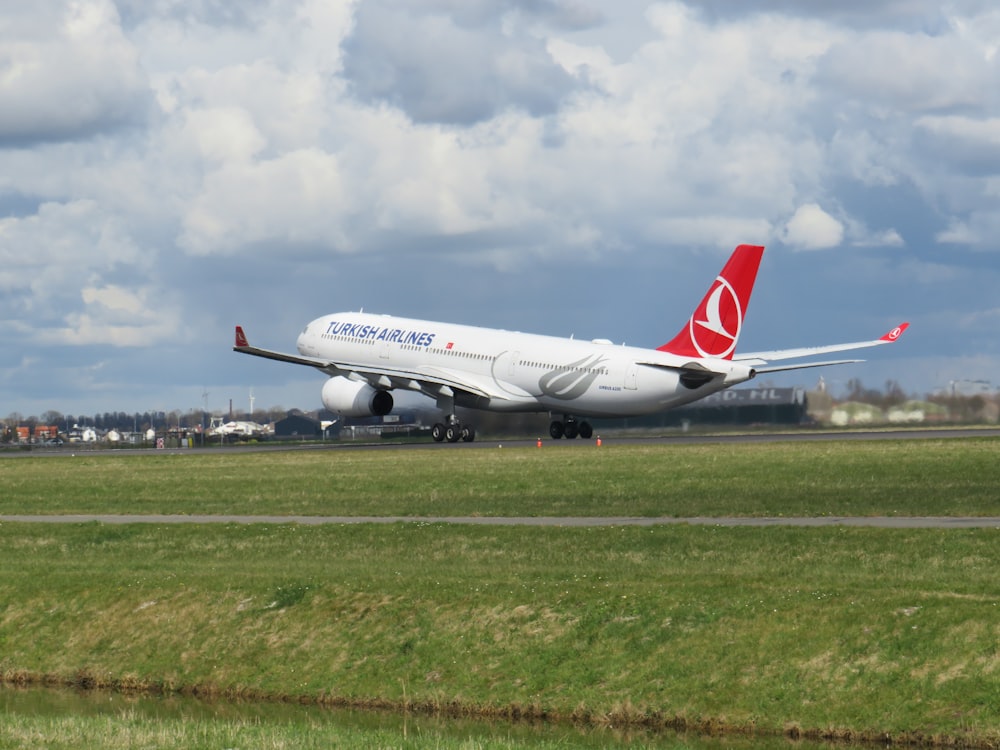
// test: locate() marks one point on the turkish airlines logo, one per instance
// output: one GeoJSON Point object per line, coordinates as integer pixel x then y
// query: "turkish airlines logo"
{"type": "Point", "coordinates": [716, 323]}
{"type": "Point", "coordinates": [894, 333]}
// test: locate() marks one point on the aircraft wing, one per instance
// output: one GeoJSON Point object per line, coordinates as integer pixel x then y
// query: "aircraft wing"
{"type": "Point", "coordinates": [761, 361]}
{"type": "Point", "coordinates": [430, 381]}
{"type": "Point", "coordinates": [243, 346]}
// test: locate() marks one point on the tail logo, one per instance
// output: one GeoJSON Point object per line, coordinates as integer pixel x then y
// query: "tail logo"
{"type": "Point", "coordinates": [708, 325]}
{"type": "Point", "coordinates": [894, 333]}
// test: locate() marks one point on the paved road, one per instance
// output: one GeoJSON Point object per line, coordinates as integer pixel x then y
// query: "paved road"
{"type": "Point", "coordinates": [676, 438]}
{"type": "Point", "coordinates": [887, 522]}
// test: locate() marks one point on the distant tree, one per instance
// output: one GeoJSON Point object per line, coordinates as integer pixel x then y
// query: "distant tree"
{"type": "Point", "coordinates": [894, 394]}
{"type": "Point", "coordinates": [966, 408]}
{"type": "Point", "coordinates": [52, 418]}
{"type": "Point", "coordinates": [856, 391]}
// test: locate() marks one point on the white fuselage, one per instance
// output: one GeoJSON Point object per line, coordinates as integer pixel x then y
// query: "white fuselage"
{"type": "Point", "coordinates": [516, 371]}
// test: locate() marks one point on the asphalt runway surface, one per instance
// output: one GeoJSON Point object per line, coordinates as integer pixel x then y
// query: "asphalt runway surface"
{"type": "Point", "coordinates": [677, 438]}
{"type": "Point", "coordinates": [894, 522]}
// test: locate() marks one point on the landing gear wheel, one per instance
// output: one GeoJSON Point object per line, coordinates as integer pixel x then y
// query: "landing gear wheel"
{"type": "Point", "coordinates": [468, 433]}
{"type": "Point", "coordinates": [452, 433]}
{"type": "Point", "coordinates": [437, 432]}
{"type": "Point", "coordinates": [571, 430]}
{"type": "Point", "coordinates": [586, 431]}
{"type": "Point", "coordinates": [556, 429]}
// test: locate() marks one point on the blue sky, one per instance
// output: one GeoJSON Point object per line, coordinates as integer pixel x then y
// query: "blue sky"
{"type": "Point", "coordinates": [169, 168]}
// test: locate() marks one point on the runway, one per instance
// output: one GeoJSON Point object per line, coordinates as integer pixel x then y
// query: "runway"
{"type": "Point", "coordinates": [677, 438]}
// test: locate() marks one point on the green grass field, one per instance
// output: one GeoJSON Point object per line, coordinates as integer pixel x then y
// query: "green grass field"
{"type": "Point", "coordinates": [933, 477]}
{"type": "Point", "coordinates": [844, 632]}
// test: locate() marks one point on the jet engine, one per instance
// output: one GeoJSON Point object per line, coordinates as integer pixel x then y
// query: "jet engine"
{"type": "Point", "coordinates": [351, 398]}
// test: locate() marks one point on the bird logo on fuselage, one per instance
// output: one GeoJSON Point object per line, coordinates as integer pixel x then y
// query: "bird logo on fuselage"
{"type": "Point", "coordinates": [571, 380]}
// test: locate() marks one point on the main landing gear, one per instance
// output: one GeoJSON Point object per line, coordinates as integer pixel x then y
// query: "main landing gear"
{"type": "Point", "coordinates": [453, 431]}
{"type": "Point", "coordinates": [570, 429]}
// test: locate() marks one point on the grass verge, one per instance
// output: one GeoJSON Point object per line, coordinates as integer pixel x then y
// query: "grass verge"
{"type": "Point", "coordinates": [932, 477]}
{"type": "Point", "coordinates": [849, 633]}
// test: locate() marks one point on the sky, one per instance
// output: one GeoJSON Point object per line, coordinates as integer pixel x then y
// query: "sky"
{"type": "Point", "coordinates": [170, 168]}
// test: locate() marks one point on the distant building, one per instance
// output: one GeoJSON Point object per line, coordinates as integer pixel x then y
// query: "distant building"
{"type": "Point", "coordinates": [40, 433]}
{"type": "Point", "coordinates": [297, 425]}
{"type": "Point", "coordinates": [302, 426]}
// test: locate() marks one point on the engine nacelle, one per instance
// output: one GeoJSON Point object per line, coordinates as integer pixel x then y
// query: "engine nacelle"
{"type": "Point", "coordinates": [352, 398]}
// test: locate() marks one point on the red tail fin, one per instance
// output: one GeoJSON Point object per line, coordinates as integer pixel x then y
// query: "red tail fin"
{"type": "Point", "coordinates": [241, 338]}
{"type": "Point", "coordinates": [714, 327]}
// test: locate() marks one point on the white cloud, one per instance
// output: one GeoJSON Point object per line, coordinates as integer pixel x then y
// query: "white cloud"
{"type": "Point", "coordinates": [297, 198]}
{"type": "Point", "coordinates": [387, 150]}
{"type": "Point", "coordinates": [979, 133]}
{"type": "Point", "coordinates": [117, 317]}
{"type": "Point", "coordinates": [891, 71]}
{"type": "Point", "coordinates": [68, 72]}
{"type": "Point", "coordinates": [450, 67]}
{"type": "Point", "coordinates": [223, 134]}
{"type": "Point", "coordinates": [885, 238]}
{"type": "Point", "coordinates": [812, 228]}
{"type": "Point", "coordinates": [46, 255]}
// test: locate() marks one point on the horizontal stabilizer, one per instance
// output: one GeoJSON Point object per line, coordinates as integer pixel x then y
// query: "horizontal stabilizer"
{"type": "Point", "coordinates": [806, 365]}
{"type": "Point", "coordinates": [761, 360]}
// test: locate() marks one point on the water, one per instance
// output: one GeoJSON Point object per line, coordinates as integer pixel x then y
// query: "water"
{"type": "Point", "coordinates": [51, 702]}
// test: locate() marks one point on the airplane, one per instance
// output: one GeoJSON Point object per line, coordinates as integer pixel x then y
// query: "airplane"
{"type": "Point", "coordinates": [368, 356]}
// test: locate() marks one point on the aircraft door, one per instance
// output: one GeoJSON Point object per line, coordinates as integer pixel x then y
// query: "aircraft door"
{"type": "Point", "coordinates": [632, 377]}
{"type": "Point", "coordinates": [504, 365]}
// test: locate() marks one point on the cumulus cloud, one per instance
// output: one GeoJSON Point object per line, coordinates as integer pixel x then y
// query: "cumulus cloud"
{"type": "Point", "coordinates": [399, 151]}
{"type": "Point", "coordinates": [67, 71]}
{"type": "Point", "coordinates": [297, 199]}
{"type": "Point", "coordinates": [45, 256]}
{"type": "Point", "coordinates": [117, 317]}
{"type": "Point", "coordinates": [812, 228]}
{"type": "Point", "coordinates": [55, 272]}
{"type": "Point", "coordinates": [459, 68]}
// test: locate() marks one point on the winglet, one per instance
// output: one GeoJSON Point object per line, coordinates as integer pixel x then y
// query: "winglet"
{"type": "Point", "coordinates": [895, 333]}
{"type": "Point", "coordinates": [241, 338]}
{"type": "Point", "coordinates": [714, 326]}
